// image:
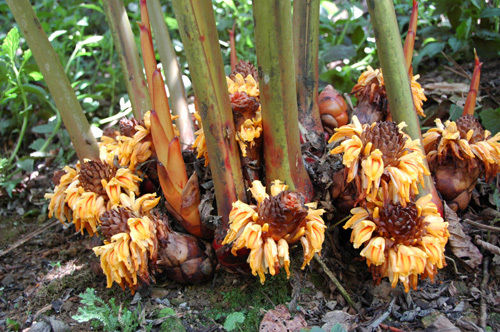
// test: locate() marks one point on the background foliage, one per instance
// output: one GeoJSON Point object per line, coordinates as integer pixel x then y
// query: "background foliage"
{"type": "Point", "coordinates": [83, 41]}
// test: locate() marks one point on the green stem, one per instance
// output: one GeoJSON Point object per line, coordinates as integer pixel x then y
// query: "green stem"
{"type": "Point", "coordinates": [26, 112]}
{"type": "Point", "coordinates": [273, 42]}
{"type": "Point", "coordinates": [34, 89]}
{"type": "Point", "coordinates": [128, 54]}
{"type": "Point", "coordinates": [305, 47]}
{"type": "Point", "coordinates": [57, 81]}
{"type": "Point", "coordinates": [392, 61]}
{"type": "Point", "coordinates": [172, 72]}
{"type": "Point", "coordinates": [201, 42]}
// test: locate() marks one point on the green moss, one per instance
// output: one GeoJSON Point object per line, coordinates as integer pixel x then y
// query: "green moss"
{"type": "Point", "coordinates": [251, 300]}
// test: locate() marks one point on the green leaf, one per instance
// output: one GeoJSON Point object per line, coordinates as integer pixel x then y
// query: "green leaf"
{"type": "Point", "coordinates": [455, 112]}
{"type": "Point", "coordinates": [463, 30]}
{"type": "Point", "coordinates": [36, 76]}
{"type": "Point", "coordinates": [37, 144]}
{"type": "Point", "coordinates": [490, 12]}
{"type": "Point", "coordinates": [26, 164]}
{"type": "Point", "coordinates": [172, 23]}
{"type": "Point", "coordinates": [45, 128]}
{"type": "Point", "coordinates": [11, 43]}
{"type": "Point", "coordinates": [233, 319]}
{"type": "Point", "coordinates": [455, 44]}
{"type": "Point", "coordinates": [339, 52]}
{"type": "Point", "coordinates": [429, 50]}
{"type": "Point", "coordinates": [490, 119]}
{"type": "Point", "coordinates": [91, 6]}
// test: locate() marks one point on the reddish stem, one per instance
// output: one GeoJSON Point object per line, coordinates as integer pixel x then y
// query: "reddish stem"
{"type": "Point", "coordinates": [470, 102]}
{"type": "Point", "coordinates": [410, 37]}
{"type": "Point", "coordinates": [234, 56]}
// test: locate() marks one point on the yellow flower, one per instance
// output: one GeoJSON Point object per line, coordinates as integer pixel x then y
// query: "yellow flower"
{"type": "Point", "coordinates": [239, 84]}
{"type": "Point", "coordinates": [269, 232]}
{"type": "Point", "coordinates": [125, 257]}
{"type": "Point", "coordinates": [57, 205]}
{"type": "Point", "coordinates": [371, 82]}
{"type": "Point", "coordinates": [249, 131]}
{"type": "Point", "coordinates": [464, 142]}
{"type": "Point", "coordinates": [400, 242]}
{"type": "Point", "coordinates": [383, 158]}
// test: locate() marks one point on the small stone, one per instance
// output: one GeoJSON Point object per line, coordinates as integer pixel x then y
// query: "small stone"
{"type": "Point", "coordinates": [183, 305]}
{"type": "Point", "coordinates": [58, 325]}
{"type": "Point", "coordinates": [335, 317]}
{"type": "Point", "coordinates": [159, 293]}
{"type": "Point", "coordinates": [40, 327]}
{"type": "Point", "coordinates": [438, 322]}
{"type": "Point", "coordinates": [8, 279]}
{"type": "Point", "coordinates": [331, 305]}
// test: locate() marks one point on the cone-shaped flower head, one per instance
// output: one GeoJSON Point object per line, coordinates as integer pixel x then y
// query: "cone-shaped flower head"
{"type": "Point", "coordinates": [130, 247]}
{"type": "Point", "coordinates": [370, 91]}
{"type": "Point", "coordinates": [132, 147]}
{"type": "Point", "coordinates": [464, 140]}
{"type": "Point", "coordinates": [400, 242]}
{"type": "Point", "coordinates": [243, 89]}
{"type": "Point", "coordinates": [381, 157]}
{"type": "Point", "coordinates": [458, 153]}
{"type": "Point", "coordinates": [268, 228]}
{"type": "Point", "coordinates": [85, 192]}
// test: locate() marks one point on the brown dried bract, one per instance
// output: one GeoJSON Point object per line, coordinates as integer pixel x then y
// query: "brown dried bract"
{"type": "Point", "coordinates": [115, 221]}
{"type": "Point", "coordinates": [91, 174]}
{"type": "Point", "coordinates": [244, 68]}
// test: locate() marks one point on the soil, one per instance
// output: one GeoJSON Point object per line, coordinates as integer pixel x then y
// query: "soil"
{"type": "Point", "coordinates": [41, 279]}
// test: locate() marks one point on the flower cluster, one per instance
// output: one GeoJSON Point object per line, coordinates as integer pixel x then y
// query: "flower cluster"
{"type": "Point", "coordinates": [131, 243]}
{"type": "Point", "coordinates": [85, 192]}
{"type": "Point", "coordinates": [381, 157]}
{"type": "Point", "coordinates": [463, 140]}
{"type": "Point", "coordinates": [244, 97]}
{"type": "Point", "coordinates": [400, 242]}
{"type": "Point", "coordinates": [268, 228]}
{"type": "Point", "coordinates": [371, 86]}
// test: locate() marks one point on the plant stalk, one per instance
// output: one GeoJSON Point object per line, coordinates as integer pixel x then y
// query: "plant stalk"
{"type": "Point", "coordinates": [410, 37]}
{"type": "Point", "coordinates": [47, 59]}
{"type": "Point", "coordinates": [305, 50]}
{"type": "Point", "coordinates": [128, 55]}
{"type": "Point", "coordinates": [470, 102]}
{"type": "Point", "coordinates": [392, 61]}
{"type": "Point", "coordinates": [201, 43]}
{"type": "Point", "coordinates": [171, 69]}
{"type": "Point", "coordinates": [273, 43]}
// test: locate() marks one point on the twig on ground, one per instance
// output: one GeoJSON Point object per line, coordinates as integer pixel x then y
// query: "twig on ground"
{"type": "Point", "coordinates": [454, 263]}
{"type": "Point", "coordinates": [28, 237]}
{"type": "Point", "coordinates": [482, 226]}
{"type": "Point", "coordinates": [341, 221]}
{"type": "Point", "coordinates": [484, 282]}
{"type": "Point", "coordinates": [384, 316]}
{"type": "Point", "coordinates": [337, 283]}
{"type": "Point", "coordinates": [488, 246]}
{"type": "Point", "coordinates": [390, 328]}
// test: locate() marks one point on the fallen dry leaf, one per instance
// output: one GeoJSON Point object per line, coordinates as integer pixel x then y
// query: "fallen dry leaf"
{"type": "Point", "coordinates": [459, 242]}
{"type": "Point", "coordinates": [279, 319]}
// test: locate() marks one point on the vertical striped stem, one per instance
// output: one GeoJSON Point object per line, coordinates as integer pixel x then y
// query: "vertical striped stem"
{"type": "Point", "coordinates": [201, 43]}
{"type": "Point", "coordinates": [173, 76]}
{"type": "Point", "coordinates": [390, 53]}
{"type": "Point", "coordinates": [274, 48]}
{"type": "Point", "coordinates": [305, 51]}
{"type": "Point", "coordinates": [128, 55]}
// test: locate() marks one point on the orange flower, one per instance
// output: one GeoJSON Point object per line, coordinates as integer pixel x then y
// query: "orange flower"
{"type": "Point", "coordinates": [400, 242]}
{"type": "Point", "coordinates": [267, 231]}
